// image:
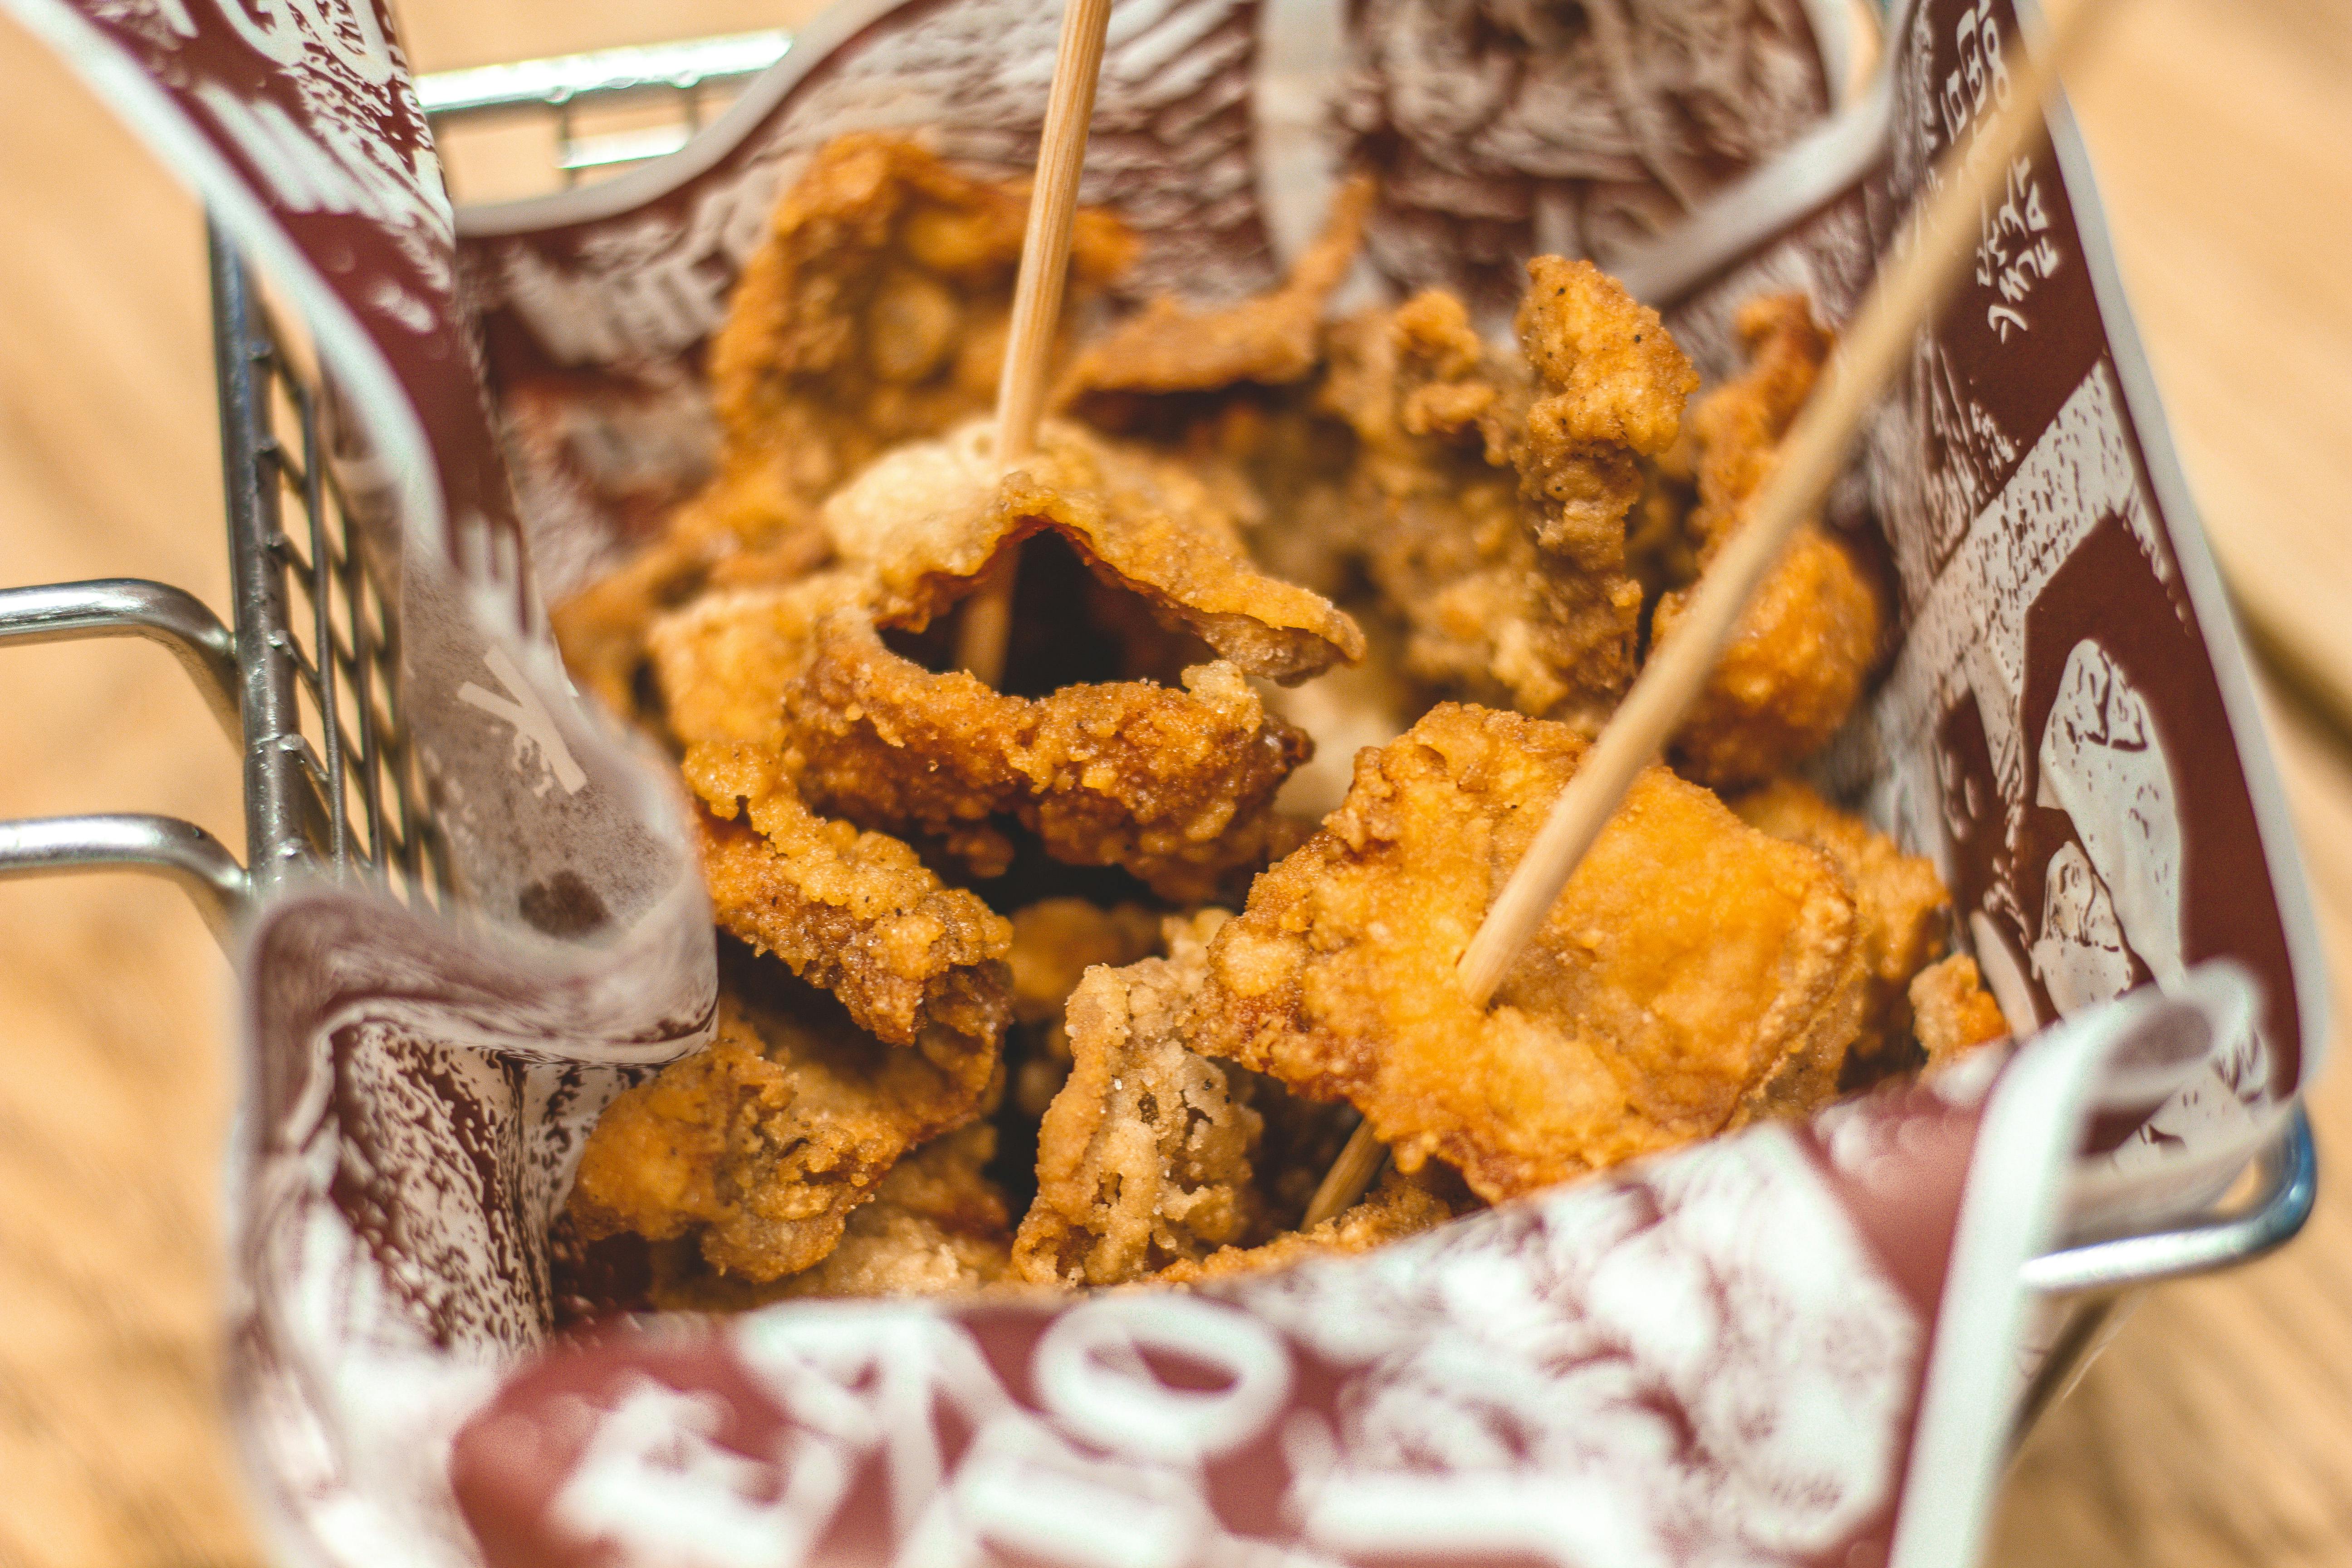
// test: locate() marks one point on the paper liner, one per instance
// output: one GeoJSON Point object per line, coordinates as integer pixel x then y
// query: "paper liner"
{"type": "Point", "coordinates": [1798, 1345]}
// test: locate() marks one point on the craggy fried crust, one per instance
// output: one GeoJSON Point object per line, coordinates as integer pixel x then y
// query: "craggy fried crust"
{"type": "Point", "coordinates": [1144, 1157]}
{"type": "Point", "coordinates": [1055, 943]}
{"type": "Point", "coordinates": [874, 310]}
{"type": "Point", "coordinates": [760, 1146]}
{"type": "Point", "coordinates": [1498, 487]}
{"type": "Point", "coordinates": [1694, 973]}
{"type": "Point", "coordinates": [1174, 784]}
{"type": "Point", "coordinates": [916, 962]}
{"type": "Point", "coordinates": [1270, 339]}
{"type": "Point", "coordinates": [1612, 385]}
{"type": "Point", "coordinates": [1952, 1011]}
{"type": "Point", "coordinates": [929, 518]}
{"type": "Point", "coordinates": [935, 1223]}
{"type": "Point", "coordinates": [1900, 904]}
{"type": "Point", "coordinates": [1797, 659]}
{"type": "Point", "coordinates": [1400, 1207]}
{"type": "Point", "coordinates": [722, 663]}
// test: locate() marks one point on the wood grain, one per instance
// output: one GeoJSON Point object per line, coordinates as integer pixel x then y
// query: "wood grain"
{"type": "Point", "coordinates": [2216, 1433]}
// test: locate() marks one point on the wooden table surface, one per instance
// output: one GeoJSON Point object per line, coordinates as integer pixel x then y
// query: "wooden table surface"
{"type": "Point", "coordinates": [2217, 1430]}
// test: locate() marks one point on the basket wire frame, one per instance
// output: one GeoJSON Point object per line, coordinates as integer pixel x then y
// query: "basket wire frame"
{"type": "Point", "coordinates": [333, 787]}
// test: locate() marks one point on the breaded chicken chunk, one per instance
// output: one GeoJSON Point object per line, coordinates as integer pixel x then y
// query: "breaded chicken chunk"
{"type": "Point", "coordinates": [1797, 659]}
{"type": "Point", "coordinates": [760, 1146]}
{"type": "Point", "coordinates": [1952, 1011]}
{"type": "Point", "coordinates": [1055, 943]}
{"type": "Point", "coordinates": [917, 963]}
{"type": "Point", "coordinates": [1144, 1157]}
{"type": "Point", "coordinates": [935, 1223]}
{"type": "Point", "coordinates": [1900, 904]}
{"type": "Point", "coordinates": [928, 519]}
{"type": "Point", "coordinates": [1270, 339]}
{"type": "Point", "coordinates": [722, 663]}
{"type": "Point", "coordinates": [874, 311]}
{"type": "Point", "coordinates": [1695, 973]}
{"type": "Point", "coordinates": [1175, 783]}
{"type": "Point", "coordinates": [1493, 490]}
{"type": "Point", "coordinates": [1400, 1207]}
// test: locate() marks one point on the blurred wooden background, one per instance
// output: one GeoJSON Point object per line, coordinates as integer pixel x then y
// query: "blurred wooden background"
{"type": "Point", "coordinates": [2215, 1433]}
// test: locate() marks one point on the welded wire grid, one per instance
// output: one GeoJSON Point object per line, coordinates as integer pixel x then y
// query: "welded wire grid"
{"type": "Point", "coordinates": [332, 780]}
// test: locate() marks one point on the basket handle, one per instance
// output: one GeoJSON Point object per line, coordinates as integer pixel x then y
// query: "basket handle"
{"type": "Point", "coordinates": [133, 608]}
{"type": "Point", "coordinates": [166, 846]}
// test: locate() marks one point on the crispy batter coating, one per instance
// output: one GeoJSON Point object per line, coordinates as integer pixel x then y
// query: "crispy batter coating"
{"type": "Point", "coordinates": [1272, 339]}
{"type": "Point", "coordinates": [1144, 1157]}
{"type": "Point", "coordinates": [916, 962]}
{"type": "Point", "coordinates": [928, 519]}
{"type": "Point", "coordinates": [1952, 1011]}
{"type": "Point", "coordinates": [874, 311]}
{"type": "Point", "coordinates": [1400, 1205]}
{"type": "Point", "coordinates": [1173, 783]}
{"type": "Point", "coordinates": [1613, 384]}
{"type": "Point", "coordinates": [602, 629]}
{"type": "Point", "coordinates": [1900, 905]}
{"type": "Point", "coordinates": [760, 1146]}
{"type": "Point", "coordinates": [1696, 972]}
{"type": "Point", "coordinates": [722, 663]}
{"type": "Point", "coordinates": [1055, 943]}
{"type": "Point", "coordinates": [1493, 490]}
{"type": "Point", "coordinates": [1796, 662]}
{"type": "Point", "coordinates": [935, 1223]}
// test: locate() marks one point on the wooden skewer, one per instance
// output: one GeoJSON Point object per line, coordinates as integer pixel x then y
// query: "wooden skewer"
{"type": "Point", "coordinates": [1879, 343]}
{"type": "Point", "coordinates": [1037, 304]}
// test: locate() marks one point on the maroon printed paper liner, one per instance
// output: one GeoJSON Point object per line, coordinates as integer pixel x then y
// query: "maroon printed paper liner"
{"type": "Point", "coordinates": [2065, 725]}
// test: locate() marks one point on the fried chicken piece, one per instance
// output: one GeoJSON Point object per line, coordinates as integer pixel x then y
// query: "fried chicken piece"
{"type": "Point", "coordinates": [722, 663]}
{"type": "Point", "coordinates": [602, 629]}
{"type": "Point", "coordinates": [1173, 784]}
{"type": "Point", "coordinates": [1400, 1207]}
{"type": "Point", "coordinates": [1144, 1158]}
{"type": "Point", "coordinates": [1952, 1011]}
{"type": "Point", "coordinates": [1612, 385]}
{"type": "Point", "coordinates": [930, 517]}
{"type": "Point", "coordinates": [760, 1146]}
{"type": "Point", "coordinates": [1270, 339]}
{"type": "Point", "coordinates": [1796, 662]}
{"type": "Point", "coordinates": [1899, 902]}
{"type": "Point", "coordinates": [935, 1223]}
{"type": "Point", "coordinates": [916, 962]}
{"type": "Point", "coordinates": [1055, 943]}
{"type": "Point", "coordinates": [874, 311]}
{"type": "Point", "coordinates": [1695, 973]}
{"type": "Point", "coordinates": [1498, 488]}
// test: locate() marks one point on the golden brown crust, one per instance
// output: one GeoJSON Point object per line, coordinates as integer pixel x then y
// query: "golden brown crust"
{"type": "Point", "coordinates": [1400, 1207]}
{"type": "Point", "coordinates": [928, 518]}
{"type": "Point", "coordinates": [1270, 339]}
{"type": "Point", "coordinates": [1144, 1157]}
{"type": "Point", "coordinates": [874, 311]}
{"type": "Point", "coordinates": [760, 1147]}
{"type": "Point", "coordinates": [723, 662]}
{"type": "Point", "coordinates": [857, 914]}
{"type": "Point", "coordinates": [1612, 385]}
{"type": "Point", "coordinates": [1694, 972]}
{"type": "Point", "coordinates": [1492, 491]}
{"type": "Point", "coordinates": [1175, 783]}
{"type": "Point", "coordinates": [1900, 903]}
{"type": "Point", "coordinates": [936, 1224]}
{"type": "Point", "coordinates": [1952, 1011]}
{"type": "Point", "coordinates": [1797, 660]}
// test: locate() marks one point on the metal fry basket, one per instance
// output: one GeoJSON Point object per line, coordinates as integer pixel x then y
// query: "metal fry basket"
{"type": "Point", "coordinates": [305, 676]}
